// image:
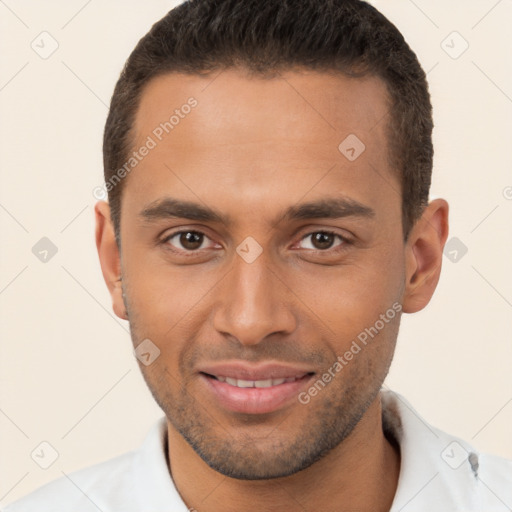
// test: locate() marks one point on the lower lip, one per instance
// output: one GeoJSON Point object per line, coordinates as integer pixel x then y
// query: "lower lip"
{"type": "Point", "coordinates": [254, 400]}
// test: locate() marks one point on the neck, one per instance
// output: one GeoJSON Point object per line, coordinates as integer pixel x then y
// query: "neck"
{"type": "Point", "coordinates": [359, 474]}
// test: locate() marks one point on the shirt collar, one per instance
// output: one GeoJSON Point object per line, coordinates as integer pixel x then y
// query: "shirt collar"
{"type": "Point", "coordinates": [435, 468]}
{"type": "Point", "coordinates": [427, 474]}
{"type": "Point", "coordinates": [155, 488]}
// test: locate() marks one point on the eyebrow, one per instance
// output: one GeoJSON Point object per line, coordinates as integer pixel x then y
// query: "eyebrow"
{"type": "Point", "coordinates": [328, 208]}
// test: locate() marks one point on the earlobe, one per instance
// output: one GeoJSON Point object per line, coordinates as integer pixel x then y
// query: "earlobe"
{"type": "Point", "coordinates": [109, 256]}
{"type": "Point", "coordinates": [424, 253]}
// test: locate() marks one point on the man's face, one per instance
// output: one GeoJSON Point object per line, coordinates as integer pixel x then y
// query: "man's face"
{"type": "Point", "coordinates": [198, 288]}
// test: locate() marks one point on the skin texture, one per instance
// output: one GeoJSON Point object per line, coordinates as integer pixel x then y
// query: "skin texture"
{"type": "Point", "coordinates": [250, 149]}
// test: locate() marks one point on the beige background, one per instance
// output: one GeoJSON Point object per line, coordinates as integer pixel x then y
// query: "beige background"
{"type": "Point", "coordinates": [67, 374]}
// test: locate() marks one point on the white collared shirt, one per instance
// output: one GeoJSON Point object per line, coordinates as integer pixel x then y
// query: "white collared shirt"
{"type": "Point", "coordinates": [438, 473]}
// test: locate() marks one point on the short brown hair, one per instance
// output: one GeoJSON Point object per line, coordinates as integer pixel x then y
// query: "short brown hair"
{"type": "Point", "coordinates": [266, 36]}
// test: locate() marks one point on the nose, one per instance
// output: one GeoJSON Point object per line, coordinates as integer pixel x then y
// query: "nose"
{"type": "Point", "coordinates": [253, 303]}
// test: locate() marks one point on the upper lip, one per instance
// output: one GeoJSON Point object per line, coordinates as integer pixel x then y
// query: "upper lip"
{"type": "Point", "coordinates": [245, 371]}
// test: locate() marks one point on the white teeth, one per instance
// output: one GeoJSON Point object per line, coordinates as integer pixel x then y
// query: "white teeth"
{"type": "Point", "coordinates": [241, 383]}
{"type": "Point", "coordinates": [263, 383]}
{"type": "Point", "coordinates": [245, 383]}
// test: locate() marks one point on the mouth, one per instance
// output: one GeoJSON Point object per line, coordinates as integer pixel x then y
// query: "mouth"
{"type": "Point", "coordinates": [254, 390]}
{"type": "Point", "coordinates": [263, 383]}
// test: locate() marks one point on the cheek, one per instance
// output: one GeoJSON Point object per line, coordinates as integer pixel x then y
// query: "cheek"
{"type": "Point", "coordinates": [172, 302]}
{"type": "Point", "coordinates": [351, 297]}
{"type": "Point", "coordinates": [165, 291]}
{"type": "Point", "coordinates": [169, 305]}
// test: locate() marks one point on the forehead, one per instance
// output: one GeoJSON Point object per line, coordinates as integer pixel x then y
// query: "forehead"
{"type": "Point", "coordinates": [330, 102]}
{"type": "Point", "coordinates": [275, 139]}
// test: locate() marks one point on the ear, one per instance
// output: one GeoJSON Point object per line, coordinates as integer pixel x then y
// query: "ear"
{"type": "Point", "coordinates": [109, 255]}
{"type": "Point", "coordinates": [424, 255]}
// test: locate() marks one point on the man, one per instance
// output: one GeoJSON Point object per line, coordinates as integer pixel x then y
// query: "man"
{"type": "Point", "coordinates": [268, 165]}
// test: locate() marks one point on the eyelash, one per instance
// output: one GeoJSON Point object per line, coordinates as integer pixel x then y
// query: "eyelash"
{"type": "Point", "coordinates": [338, 248]}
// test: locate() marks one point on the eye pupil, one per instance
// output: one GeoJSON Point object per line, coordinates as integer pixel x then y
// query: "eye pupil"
{"type": "Point", "coordinates": [191, 240]}
{"type": "Point", "coordinates": [323, 240]}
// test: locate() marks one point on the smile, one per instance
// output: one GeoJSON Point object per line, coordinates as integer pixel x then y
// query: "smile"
{"type": "Point", "coordinates": [240, 387]}
{"type": "Point", "coordinates": [266, 383]}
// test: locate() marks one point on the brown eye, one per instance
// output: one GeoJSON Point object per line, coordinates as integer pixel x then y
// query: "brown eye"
{"type": "Point", "coordinates": [191, 240]}
{"type": "Point", "coordinates": [186, 240]}
{"type": "Point", "coordinates": [322, 240]}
